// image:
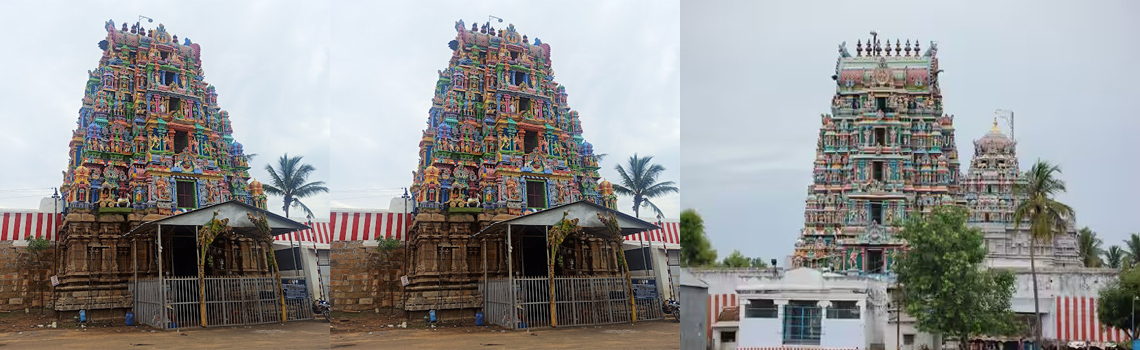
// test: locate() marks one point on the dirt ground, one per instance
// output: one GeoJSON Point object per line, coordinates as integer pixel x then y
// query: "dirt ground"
{"type": "Point", "coordinates": [22, 331]}
{"type": "Point", "coordinates": [367, 331]}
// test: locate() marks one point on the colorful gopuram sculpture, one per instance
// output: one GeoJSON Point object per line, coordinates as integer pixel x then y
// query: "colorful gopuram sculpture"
{"type": "Point", "coordinates": [150, 142]}
{"type": "Point", "coordinates": [500, 142]}
{"type": "Point", "coordinates": [500, 133]}
{"type": "Point", "coordinates": [150, 133]}
{"type": "Point", "coordinates": [989, 194]}
{"type": "Point", "coordinates": [884, 153]}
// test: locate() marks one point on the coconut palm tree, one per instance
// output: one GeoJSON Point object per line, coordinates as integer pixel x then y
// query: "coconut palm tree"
{"type": "Point", "coordinates": [1046, 217]}
{"type": "Point", "coordinates": [1132, 249]}
{"type": "Point", "coordinates": [1115, 256]}
{"type": "Point", "coordinates": [1088, 247]}
{"type": "Point", "coordinates": [640, 181]}
{"type": "Point", "coordinates": [289, 181]}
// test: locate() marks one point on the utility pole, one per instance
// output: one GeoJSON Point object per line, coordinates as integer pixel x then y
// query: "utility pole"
{"type": "Point", "coordinates": [55, 238]}
{"type": "Point", "coordinates": [407, 255]}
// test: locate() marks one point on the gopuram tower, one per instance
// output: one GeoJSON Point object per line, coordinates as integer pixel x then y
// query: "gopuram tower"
{"type": "Point", "coordinates": [150, 142]}
{"type": "Point", "coordinates": [989, 195]}
{"type": "Point", "coordinates": [501, 141]}
{"type": "Point", "coordinates": [884, 153]}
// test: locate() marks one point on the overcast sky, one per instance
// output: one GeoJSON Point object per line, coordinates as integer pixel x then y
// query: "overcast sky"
{"type": "Point", "coordinates": [619, 62]}
{"type": "Point", "coordinates": [758, 75]}
{"type": "Point", "coordinates": [269, 61]}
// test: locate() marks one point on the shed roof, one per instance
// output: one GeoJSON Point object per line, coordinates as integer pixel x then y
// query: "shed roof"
{"type": "Point", "coordinates": [233, 210]}
{"type": "Point", "coordinates": [584, 211]}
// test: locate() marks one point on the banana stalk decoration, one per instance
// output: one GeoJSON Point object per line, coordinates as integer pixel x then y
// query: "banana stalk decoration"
{"type": "Point", "coordinates": [262, 224]}
{"type": "Point", "coordinates": [615, 237]}
{"type": "Point", "coordinates": [564, 228]}
{"type": "Point", "coordinates": [206, 236]}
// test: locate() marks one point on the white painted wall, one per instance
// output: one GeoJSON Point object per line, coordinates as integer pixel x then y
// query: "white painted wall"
{"type": "Point", "coordinates": [760, 332]}
{"type": "Point", "coordinates": [839, 333]}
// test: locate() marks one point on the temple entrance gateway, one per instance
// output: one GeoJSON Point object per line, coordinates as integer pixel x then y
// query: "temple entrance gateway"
{"type": "Point", "coordinates": [240, 284]}
{"type": "Point", "coordinates": [598, 290]}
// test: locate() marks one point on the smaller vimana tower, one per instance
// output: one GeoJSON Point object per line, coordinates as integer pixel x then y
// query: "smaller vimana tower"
{"type": "Point", "coordinates": [989, 194]}
{"type": "Point", "coordinates": [885, 152]}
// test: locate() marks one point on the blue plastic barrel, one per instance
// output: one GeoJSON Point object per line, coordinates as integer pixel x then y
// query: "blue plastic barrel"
{"type": "Point", "coordinates": [130, 319]}
{"type": "Point", "coordinates": [479, 319]}
{"type": "Point", "coordinates": [82, 315]}
{"type": "Point", "coordinates": [431, 315]}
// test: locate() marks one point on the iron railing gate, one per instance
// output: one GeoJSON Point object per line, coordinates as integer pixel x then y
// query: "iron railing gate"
{"type": "Point", "coordinates": [497, 303]}
{"type": "Point", "coordinates": [229, 302]}
{"type": "Point", "coordinates": [148, 302]}
{"type": "Point", "coordinates": [579, 301]}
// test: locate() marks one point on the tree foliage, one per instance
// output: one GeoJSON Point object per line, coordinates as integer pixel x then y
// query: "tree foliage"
{"type": "Point", "coordinates": [290, 180]}
{"type": "Point", "coordinates": [1114, 304]}
{"type": "Point", "coordinates": [736, 260]}
{"type": "Point", "coordinates": [206, 236]}
{"type": "Point", "coordinates": [386, 246]}
{"type": "Point", "coordinates": [36, 246]}
{"type": "Point", "coordinates": [943, 282]}
{"type": "Point", "coordinates": [265, 237]}
{"type": "Point", "coordinates": [639, 180]}
{"type": "Point", "coordinates": [613, 236]}
{"type": "Point", "coordinates": [1089, 247]}
{"type": "Point", "coordinates": [759, 262]}
{"type": "Point", "coordinates": [695, 247]}
{"type": "Point", "coordinates": [1115, 257]}
{"type": "Point", "coordinates": [1132, 247]}
{"type": "Point", "coordinates": [1046, 216]}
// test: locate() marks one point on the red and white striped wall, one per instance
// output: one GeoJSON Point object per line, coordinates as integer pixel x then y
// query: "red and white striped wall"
{"type": "Point", "coordinates": [669, 234]}
{"type": "Point", "coordinates": [367, 226]}
{"type": "Point", "coordinates": [17, 226]}
{"type": "Point", "coordinates": [1076, 320]}
{"type": "Point", "coordinates": [717, 303]}
{"type": "Point", "coordinates": [319, 233]}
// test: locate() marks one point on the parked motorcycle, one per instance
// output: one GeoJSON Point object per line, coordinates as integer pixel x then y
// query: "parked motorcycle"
{"type": "Point", "coordinates": [673, 308]}
{"type": "Point", "coordinates": [322, 307]}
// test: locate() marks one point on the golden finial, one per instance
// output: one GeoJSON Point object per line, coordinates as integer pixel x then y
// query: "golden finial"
{"type": "Point", "coordinates": [995, 129]}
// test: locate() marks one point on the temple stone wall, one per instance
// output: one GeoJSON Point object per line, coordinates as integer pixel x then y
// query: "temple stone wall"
{"type": "Point", "coordinates": [95, 263]}
{"type": "Point", "coordinates": [18, 279]}
{"type": "Point", "coordinates": [446, 264]}
{"type": "Point", "coordinates": [362, 279]}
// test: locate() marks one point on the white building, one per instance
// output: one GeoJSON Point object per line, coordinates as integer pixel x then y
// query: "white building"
{"type": "Point", "coordinates": [1067, 302]}
{"type": "Point", "coordinates": [664, 259]}
{"type": "Point", "coordinates": [808, 307]}
{"type": "Point", "coordinates": [311, 248]}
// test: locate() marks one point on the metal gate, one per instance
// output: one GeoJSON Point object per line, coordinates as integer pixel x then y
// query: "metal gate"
{"type": "Point", "coordinates": [497, 303]}
{"type": "Point", "coordinates": [229, 302]}
{"type": "Point", "coordinates": [579, 301]}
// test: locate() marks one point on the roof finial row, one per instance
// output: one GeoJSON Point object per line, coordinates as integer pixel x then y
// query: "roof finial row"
{"type": "Point", "coordinates": [875, 48]}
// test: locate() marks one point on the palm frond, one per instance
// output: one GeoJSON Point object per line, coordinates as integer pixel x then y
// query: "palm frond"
{"type": "Point", "coordinates": [660, 189]}
{"type": "Point", "coordinates": [619, 189]}
{"type": "Point", "coordinates": [271, 190]}
{"type": "Point", "coordinates": [647, 203]}
{"type": "Point", "coordinates": [638, 179]}
{"type": "Point", "coordinates": [297, 203]}
{"type": "Point", "coordinates": [310, 189]}
{"type": "Point", "coordinates": [290, 179]}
